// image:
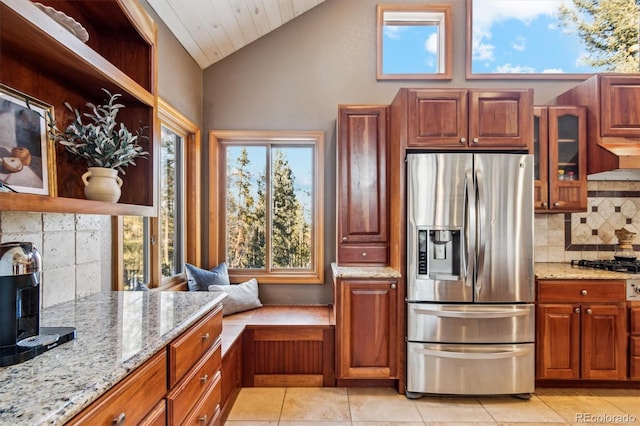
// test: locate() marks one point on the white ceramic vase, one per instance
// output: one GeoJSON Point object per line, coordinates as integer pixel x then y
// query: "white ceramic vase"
{"type": "Point", "coordinates": [102, 184]}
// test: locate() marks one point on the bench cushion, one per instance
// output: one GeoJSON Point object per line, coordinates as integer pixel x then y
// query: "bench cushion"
{"type": "Point", "coordinates": [240, 297]}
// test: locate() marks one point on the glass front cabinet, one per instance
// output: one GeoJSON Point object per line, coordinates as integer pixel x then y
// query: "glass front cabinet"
{"type": "Point", "coordinates": [560, 159]}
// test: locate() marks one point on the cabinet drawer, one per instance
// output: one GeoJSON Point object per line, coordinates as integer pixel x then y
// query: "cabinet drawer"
{"type": "Point", "coordinates": [157, 416]}
{"type": "Point", "coordinates": [634, 346]}
{"type": "Point", "coordinates": [363, 253]}
{"type": "Point", "coordinates": [634, 368]}
{"type": "Point", "coordinates": [634, 321]}
{"type": "Point", "coordinates": [581, 291]}
{"type": "Point", "coordinates": [133, 397]}
{"type": "Point", "coordinates": [181, 399]}
{"type": "Point", "coordinates": [208, 407]}
{"type": "Point", "coordinates": [192, 344]}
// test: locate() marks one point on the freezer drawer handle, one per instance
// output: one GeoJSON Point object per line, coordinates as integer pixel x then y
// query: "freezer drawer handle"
{"type": "Point", "coordinates": [467, 314]}
{"type": "Point", "coordinates": [474, 355]}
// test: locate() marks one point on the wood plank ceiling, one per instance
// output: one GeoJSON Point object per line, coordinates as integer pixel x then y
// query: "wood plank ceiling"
{"type": "Point", "coordinates": [213, 29]}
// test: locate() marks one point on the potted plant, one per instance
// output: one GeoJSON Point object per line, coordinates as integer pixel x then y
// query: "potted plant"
{"type": "Point", "coordinates": [106, 145]}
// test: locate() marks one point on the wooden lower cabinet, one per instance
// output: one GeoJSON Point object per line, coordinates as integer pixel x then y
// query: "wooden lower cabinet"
{"type": "Point", "coordinates": [180, 385]}
{"type": "Point", "coordinates": [581, 340]}
{"type": "Point", "coordinates": [366, 328]}
{"type": "Point", "coordinates": [634, 342]}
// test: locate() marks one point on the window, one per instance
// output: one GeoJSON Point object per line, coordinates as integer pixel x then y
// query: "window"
{"type": "Point", "coordinates": [550, 39]}
{"type": "Point", "coordinates": [414, 42]}
{"type": "Point", "coordinates": [154, 249]}
{"type": "Point", "coordinates": [268, 210]}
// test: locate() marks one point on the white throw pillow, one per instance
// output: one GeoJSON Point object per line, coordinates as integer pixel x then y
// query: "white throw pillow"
{"type": "Point", "coordinates": [240, 297]}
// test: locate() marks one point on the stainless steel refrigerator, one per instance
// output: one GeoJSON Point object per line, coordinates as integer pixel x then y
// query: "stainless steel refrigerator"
{"type": "Point", "coordinates": [470, 282]}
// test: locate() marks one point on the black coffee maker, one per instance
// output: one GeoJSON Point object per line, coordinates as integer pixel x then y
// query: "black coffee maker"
{"type": "Point", "coordinates": [21, 337]}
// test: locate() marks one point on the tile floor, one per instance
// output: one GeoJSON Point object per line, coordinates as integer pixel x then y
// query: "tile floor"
{"type": "Point", "coordinates": [385, 407]}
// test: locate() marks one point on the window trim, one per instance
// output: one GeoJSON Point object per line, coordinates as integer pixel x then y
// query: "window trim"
{"type": "Point", "coordinates": [171, 118]}
{"type": "Point", "coordinates": [216, 246]}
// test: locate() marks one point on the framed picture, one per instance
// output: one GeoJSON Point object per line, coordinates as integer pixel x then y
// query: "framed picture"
{"type": "Point", "coordinates": [27, 156]}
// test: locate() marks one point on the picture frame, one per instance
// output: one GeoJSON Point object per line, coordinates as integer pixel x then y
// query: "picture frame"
{"type": "Point", "coordinates": [27, 154]}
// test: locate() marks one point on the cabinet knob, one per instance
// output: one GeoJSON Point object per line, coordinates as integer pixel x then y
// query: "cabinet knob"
{"type": "Point", "coordinates": [364, 254]}
{"type": "Point", "coordinates": [584, 292]}
{"type": "Point", "coordinates": [476, 140]}
{"type": "Point", "coordinates": [544, 204]}
{"type": "Point", "coordinates": [204, 379]}
{"type": "Point", "coordinates": [463, 140]}
{"type": "Point", "coordinates": [576, 310]}
{"type": "Point", "coordinates": [393, 286]}
{"type": "Point", "coordinates": [119, 421]}
{"type": "Point", "coordinates": [344, 238]}
{"type": "Point", "coordinates": [206, 337]}
{"type": "Point", "coordinates": [556, 204]}
{"type": "Point", "coordinates": [589, 311]}
{"type": "Point", "coordinates": [203, 419]}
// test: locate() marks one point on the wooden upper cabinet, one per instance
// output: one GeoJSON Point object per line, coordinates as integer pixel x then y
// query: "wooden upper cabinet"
{"type": "Point", "coordinates": [560, 176]}
{"type": "Point", "coordinates": [613, 119]}
{"type": "Point", "coordinates": [476, 119]}
{"type": "Point", "coordinates": [363, 224]}
{"type": "Point", "coordinates": [44, 61]}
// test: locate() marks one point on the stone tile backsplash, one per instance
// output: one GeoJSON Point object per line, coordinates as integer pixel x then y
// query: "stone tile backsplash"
{"type": "Point", "coordinates": [72, 249]}
{"type": "Point", "coordinates": [590, 235]}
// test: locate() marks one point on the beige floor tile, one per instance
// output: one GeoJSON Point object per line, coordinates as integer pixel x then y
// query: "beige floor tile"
{"type": "Point", "coordinates": [509, 410]}
{"type": "Point", "coordinates": [579, 406]}
{"type": "Point", "coordinates": [250, 423]}
{"type": "Point", "coordinates": [627, 400]}
{"type": "Point", "coordinates": [448, 409]}
{"type": "Point", "coordinates": [258, 404]}
{"type": "Point", "coordinates": [316, 404]}
{"type": "Point", "coordinates": [311, 423]}
{"type": "Point", "coordinates": [387, 424]}
{"type": "Point", "coordinates": [381, 405]}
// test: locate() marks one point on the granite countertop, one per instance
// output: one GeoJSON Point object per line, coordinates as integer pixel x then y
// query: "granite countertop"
{"type": "Point", "coordinates": [115, 333]}
{"type": "Point", "coordinates": [364, 271]}
{"type": "Point", "coordinates": [566, 271]}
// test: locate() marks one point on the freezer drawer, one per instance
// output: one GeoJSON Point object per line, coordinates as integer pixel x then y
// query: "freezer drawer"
{"type": "Point", "coordinates": [471, 323]}
{"type": "Point", "coordinates": [470, 369]}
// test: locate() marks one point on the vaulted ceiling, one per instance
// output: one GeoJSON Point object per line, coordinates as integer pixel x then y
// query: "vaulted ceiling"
{"type": "Point", "coordinates": [213, 29]}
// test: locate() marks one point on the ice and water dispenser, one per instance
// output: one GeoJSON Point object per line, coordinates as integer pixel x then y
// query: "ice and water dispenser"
{"type": "Point", "coordinates": [439, 253]}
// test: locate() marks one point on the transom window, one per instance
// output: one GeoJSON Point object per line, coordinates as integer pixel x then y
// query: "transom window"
{"type": "Point", "coordinates": [269, 204]}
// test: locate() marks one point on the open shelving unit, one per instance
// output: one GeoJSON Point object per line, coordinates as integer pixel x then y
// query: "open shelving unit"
{"type": "Point", "coordinates": [48, 63]}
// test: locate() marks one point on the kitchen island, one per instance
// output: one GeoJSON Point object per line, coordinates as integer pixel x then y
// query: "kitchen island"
{"type": "Point", "coordinates": [116, 332]}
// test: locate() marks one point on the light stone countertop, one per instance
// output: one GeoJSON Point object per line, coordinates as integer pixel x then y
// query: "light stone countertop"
{"type": "Point", "coordinates": [115, 333]}
{"type": "Point", "coordinates": [364, 271]}
{"type": "Point", "coordinates": [565, 271]}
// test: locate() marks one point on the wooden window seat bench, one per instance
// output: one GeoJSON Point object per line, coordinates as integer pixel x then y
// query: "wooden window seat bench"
{"type": "Point", "coordinates": [283, 345]}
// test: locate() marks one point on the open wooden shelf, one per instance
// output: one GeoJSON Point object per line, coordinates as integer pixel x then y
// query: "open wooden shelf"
{"type": "Point", "coordinates": [43, 60]}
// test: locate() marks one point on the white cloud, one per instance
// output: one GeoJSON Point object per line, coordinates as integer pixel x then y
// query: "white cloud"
{"type": "Point", "coordinates": [514, 69]}
{"type": "Point", "coordinates": [431, 44]}
{"type": "Point", "coordinates": [553, 71]}
{"type": "Point", "coordinates": [391, 31]}
{"type": "Point", "coordinates": [519, 44]}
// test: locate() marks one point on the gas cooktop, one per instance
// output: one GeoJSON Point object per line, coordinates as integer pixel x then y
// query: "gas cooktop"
{"type": "Point", "coordinates": [630, 266]}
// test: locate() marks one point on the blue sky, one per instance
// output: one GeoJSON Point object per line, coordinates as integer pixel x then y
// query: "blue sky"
{"type": "Point", "coordinates": [524, 36]}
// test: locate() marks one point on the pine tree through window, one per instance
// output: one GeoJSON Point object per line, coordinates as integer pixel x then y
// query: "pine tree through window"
{"type": "Point", "coordinates": [271, 206]}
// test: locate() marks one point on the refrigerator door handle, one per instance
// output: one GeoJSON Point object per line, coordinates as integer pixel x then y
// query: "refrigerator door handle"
{"type": "Point", "coordinates": [475, 355]}
{"type": "Point", "coordinates": [482, 214]}
{"type": "Point", "coordinates": [469, 229]}
{"type": "Point", "coordinates": [467, 314]}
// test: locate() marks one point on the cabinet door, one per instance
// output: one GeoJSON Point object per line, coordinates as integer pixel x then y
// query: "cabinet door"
{"type": "Point", "coordinates": [558, 341]}
{"type": "Point", "coordinates": [437, 118]}
{"type": "Point", "coordinates": [501, 119]}
{"type": "Point", "coordinates": [541, 158]}
{"type": "Point", "coordinates": [604, 341]}
{"type": "Point", "coordinates": [367, 330]}
{"type": "Point", "coordinates": [567, 158]}
{"type": "Point", "coordinates": [363, 225]}
{"type": "Point", "coordinates": [619, 107]}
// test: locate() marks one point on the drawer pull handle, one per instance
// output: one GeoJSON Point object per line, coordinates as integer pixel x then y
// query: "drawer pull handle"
{"type": "Point", "coordinates": [393, 286]}
{"type": "Point", "coordinates": [206, 337]}
{"type": "Point", "coordinates": [344, 238]}
{"type": "Point", "coordinates": [119, 421]}
{"type": "Point", "coordinates": [583, 292]}
{"type": "Point", "coordinates": [202, 419]}
{"type": "Point", "coordinates": [204, 379]}
{"type": "Point", "coordinates": [589, 311]}
{"type": "Point", "coordinates": [364, 254]}
{"type": "Point", "coordinates": [576, 310]}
